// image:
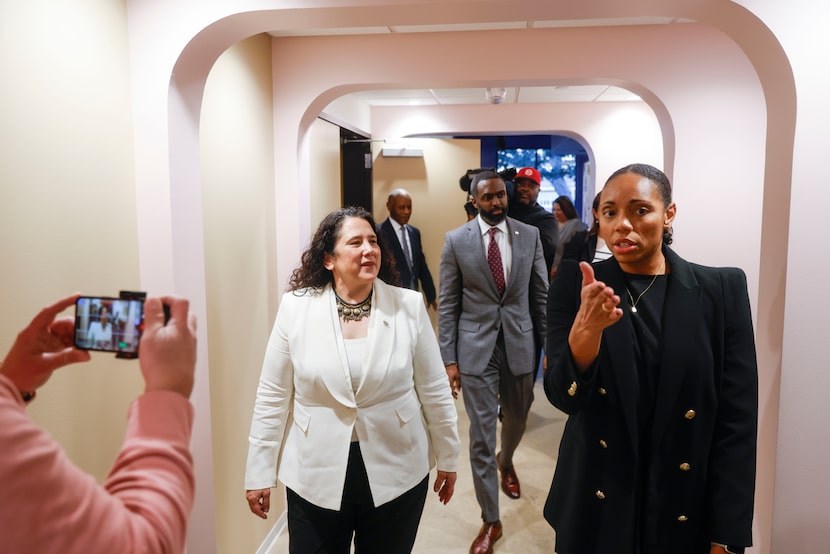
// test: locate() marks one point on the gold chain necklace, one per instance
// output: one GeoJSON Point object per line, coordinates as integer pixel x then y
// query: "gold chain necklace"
{"type": "Point", "coordinates": [353, 312]}
{"type": "Point", "coordinates": [631, 298]}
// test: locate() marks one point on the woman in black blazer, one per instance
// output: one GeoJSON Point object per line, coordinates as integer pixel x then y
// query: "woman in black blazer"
{"type": "Point", "coordinates": [653, 359]}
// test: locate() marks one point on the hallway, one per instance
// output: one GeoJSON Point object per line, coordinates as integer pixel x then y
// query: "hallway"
{"type": "Point", "coordinates": [452, 528]}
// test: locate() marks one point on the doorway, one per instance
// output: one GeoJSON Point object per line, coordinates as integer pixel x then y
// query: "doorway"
{"type": "Point", "coordinates": [356, 167]}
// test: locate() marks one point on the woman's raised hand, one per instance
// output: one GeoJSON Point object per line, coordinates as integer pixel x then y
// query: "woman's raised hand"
{"type": "Point", "coordinates": [600, 306]}
{"type": "Point", "coordinates": [599, 310]}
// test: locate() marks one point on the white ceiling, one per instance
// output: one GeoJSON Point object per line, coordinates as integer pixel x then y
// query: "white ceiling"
{"type": "Point", "coordinates": [433, 97]}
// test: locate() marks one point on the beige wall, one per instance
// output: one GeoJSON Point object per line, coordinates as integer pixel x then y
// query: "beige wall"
{"type": "Point", "coordinates": [67, 200]}
{"type": "Point", "coordinates": [432, 181]}
{"type": "Point", "coordinates": [325, 185]}
{"type": "Point", "coordinates": [238, 208]}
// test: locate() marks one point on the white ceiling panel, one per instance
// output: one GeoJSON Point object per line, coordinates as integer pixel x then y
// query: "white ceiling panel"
{"type": "Point", "coordinates": [616, 94]}
{"type": "Point", "coordinates": [524, 95]}
{"type": "Point", "coordinates": [560, 94]}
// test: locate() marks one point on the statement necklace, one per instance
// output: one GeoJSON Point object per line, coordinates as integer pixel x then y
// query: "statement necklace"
{"type": "Point", "coordinates": [353, 312]}
{"type": "Point", "coordinates": [631, 298]}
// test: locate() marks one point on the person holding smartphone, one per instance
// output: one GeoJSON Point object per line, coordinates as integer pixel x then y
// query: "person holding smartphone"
{"type": "Point", "coordinates": [47, 504]}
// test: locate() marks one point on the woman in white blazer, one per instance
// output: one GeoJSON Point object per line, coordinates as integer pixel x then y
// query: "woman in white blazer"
{"type": "Point", "coordinates": [353, 406]}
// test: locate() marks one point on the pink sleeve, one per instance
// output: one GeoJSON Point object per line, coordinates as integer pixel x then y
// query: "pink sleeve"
{"type": "Point", "coordinates": [47, 504]}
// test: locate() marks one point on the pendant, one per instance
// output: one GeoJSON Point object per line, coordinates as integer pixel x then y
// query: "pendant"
{"type": "Point", "coordinates": [633, 309]}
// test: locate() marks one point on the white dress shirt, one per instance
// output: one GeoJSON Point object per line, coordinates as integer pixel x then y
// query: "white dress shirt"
{"type": "Point", "coordinates": [503, 241]}
{"type": "Point", "coordinates": [397, 226]}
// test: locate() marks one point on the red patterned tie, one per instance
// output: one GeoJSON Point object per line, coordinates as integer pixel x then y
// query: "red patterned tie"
{"type": "Point", "coordinates": [494, 260]}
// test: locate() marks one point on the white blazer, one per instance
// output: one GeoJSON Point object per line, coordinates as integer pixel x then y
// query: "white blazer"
{"type": "Point", "coordinates": [403, 411]}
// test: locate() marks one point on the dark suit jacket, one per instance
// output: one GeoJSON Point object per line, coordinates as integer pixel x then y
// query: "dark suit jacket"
{"type": "Point", "coordinates": [470, 310]}
{"type": "Point", "coordinates": [543, 220]}
{"type": "Point", "coordinates": [701, 464]}
{"type": "Point", "coordinates": [419, 263]}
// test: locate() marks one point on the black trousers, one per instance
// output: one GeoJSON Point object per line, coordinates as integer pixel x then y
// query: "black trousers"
{"type": "Point", "coordinates": [386, 529]}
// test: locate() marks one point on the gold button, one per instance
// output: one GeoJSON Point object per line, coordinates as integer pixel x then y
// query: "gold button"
{"type": "Point", "coordinates": [602, 391]}
{"type": "Point", "coordinates": [681, 517]}
{"type": "Point", "coordinates": [691, 414]}
{"type": "Point", "coordinates": [600, 495]}
{"type": "Point", "coordinates": [572, 389]}
{"type": "Point", "coordinates": [603, 444]}
{"type": "Point", "coordinates": [685, 467]}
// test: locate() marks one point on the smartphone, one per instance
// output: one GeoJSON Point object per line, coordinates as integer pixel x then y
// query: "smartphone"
{"type": "Point", "coordinates": [109, 324]}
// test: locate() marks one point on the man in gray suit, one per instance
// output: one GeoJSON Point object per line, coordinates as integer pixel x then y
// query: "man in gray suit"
{"type": "Point", "coordinates": [491, 312]}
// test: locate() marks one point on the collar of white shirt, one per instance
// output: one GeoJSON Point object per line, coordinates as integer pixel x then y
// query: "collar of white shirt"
{"type": "Point", "coordinates": [395, 225]}
{"type": "Point", "coordinates": [485, 227]}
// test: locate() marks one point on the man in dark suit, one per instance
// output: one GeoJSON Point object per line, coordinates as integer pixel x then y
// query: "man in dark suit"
{"type": "Point", "coordinates": [404, 241]}
{"type": "Point", "coordinates": [525, 208]}
{"type": "Point", "coordinates": [491, 313]}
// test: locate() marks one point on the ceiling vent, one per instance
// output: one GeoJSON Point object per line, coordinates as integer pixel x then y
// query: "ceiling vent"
{"type": "Point", "coordinates": [495, 95]}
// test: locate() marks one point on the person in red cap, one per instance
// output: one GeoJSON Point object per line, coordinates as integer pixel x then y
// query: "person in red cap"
{"type": "Point", "coordinates": [525, 208]}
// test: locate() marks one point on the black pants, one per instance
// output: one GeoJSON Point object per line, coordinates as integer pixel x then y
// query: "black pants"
{"type": "Point", "coordinates": [386, 529]}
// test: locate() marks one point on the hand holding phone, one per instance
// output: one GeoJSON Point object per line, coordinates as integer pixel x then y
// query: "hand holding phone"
{"type": "Point", "coordinates": [42, 347]}
{"type": "Point", "coordinates": [168, 345]}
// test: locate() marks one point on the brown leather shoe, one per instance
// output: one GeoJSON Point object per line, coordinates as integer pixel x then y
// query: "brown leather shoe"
{"type": "Point", "coordinates": [509, 481]}
{"type": "Point", "coordinates": [487, 536]}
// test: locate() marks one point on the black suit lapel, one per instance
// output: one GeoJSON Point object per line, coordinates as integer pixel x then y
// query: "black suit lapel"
{"type": "Point", "coordinates": [617, 342]}
{"type": "Point", "coordinates": [415, 247]}
{"type": "Point", "coordinates": [681, 311]}
{"type": "Point", "coordinates": [519, 252]}
{"type": "Point", "coordinates": [394, 243]}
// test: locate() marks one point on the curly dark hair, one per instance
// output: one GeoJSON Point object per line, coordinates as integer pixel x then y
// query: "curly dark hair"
{"type": "Point", "coordinates": [312, 274]}
{"type": "Point", "coordinates": [660, 180]}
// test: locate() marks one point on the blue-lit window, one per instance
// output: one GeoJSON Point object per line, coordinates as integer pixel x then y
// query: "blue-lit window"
{"type": "Point", "coordinates": [558, 172]}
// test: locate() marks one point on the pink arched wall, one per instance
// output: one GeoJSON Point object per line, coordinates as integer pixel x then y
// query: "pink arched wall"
{"type": "Point", "coordinates": [722, 93]}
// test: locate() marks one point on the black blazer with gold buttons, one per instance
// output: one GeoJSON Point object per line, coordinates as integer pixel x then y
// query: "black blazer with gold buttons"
{"type": "Point", "coordinates": [697, 478]}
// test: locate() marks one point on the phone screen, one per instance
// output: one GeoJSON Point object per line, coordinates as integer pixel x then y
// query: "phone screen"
{"type": "Point", "coordinates": [109, 324]}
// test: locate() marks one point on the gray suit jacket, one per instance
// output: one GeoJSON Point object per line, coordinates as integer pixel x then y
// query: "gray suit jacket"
{"type": "Point", "coordinates": [470, 310]}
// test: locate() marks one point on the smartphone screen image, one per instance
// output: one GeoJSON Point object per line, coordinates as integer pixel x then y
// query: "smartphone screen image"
{"type": "Point", "coordinates": [109, 324]}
